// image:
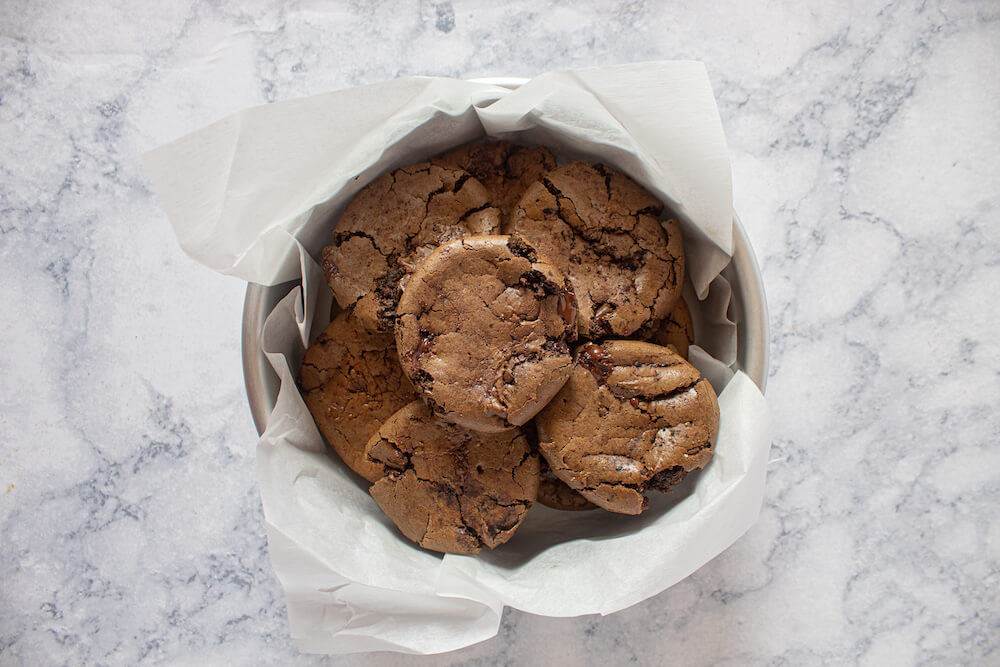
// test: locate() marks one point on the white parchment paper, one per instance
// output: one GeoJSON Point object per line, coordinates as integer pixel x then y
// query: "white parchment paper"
{"type": "Point", "coordinates": [256, 195]}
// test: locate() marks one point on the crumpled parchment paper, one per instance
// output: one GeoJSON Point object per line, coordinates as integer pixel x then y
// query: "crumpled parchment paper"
{"type": "Point", "coordinates": [256, 195]}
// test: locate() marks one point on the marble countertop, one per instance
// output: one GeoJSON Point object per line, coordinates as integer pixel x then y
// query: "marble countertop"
{"type": "Point", "coordinates": [864, 142]}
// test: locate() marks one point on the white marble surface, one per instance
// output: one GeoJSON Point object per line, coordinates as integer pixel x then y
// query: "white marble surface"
{"type": "Point", "coordinates": [864, 141]}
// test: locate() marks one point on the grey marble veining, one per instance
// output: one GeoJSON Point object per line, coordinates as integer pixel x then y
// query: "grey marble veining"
{"type": "Point", "coordinates": [864, 142]}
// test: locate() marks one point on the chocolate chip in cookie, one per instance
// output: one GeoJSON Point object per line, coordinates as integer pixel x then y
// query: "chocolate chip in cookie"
{"type": "Point", "coordinates": [483, 330]}
{"type": "Point", "coordinates": [450, 489]}
{"type": "Point", "coordinates": [391, 225]}
{"type": "Point", "coordinates": [633, 416]}
{"type": "Point", "coordinates": [505, 168]}
{"type": "Point", "coordinates": [352, 382]}
{"type": "Point", "coordinates": [602, 230]}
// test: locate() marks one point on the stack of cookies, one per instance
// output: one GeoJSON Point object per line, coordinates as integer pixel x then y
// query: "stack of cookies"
{"type": "Point", "coordinates": [510, 331]}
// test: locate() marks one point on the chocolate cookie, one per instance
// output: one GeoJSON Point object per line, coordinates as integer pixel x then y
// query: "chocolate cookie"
{"type": "Point", "coordinates": [393, 223]}
{"type": "Point", "coordinates": [505, 169]}
{"type": "Point", "coordinates": [633, 416]}
{"type": "Point", "coordinates": [555, 493]}
{"type": "Point", "coordinates": [676, 331]}
{"type": "Point", "coordinates": [601, 229]}
{"type": "Point", "coordinates": [450, 489]}
{"type": "Point", "coordinates": [352, 382]}
{"type": "Point", "coordinates": [482, 331]}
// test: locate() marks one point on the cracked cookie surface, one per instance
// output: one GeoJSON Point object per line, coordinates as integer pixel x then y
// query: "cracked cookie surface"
{"type": "Point", "coordinates": [601, 229]}
{"type": "Point", "coordinates": [633, 416]}
{"type": "Point", "coordinates": [483, 330]}
{"type": "Point", "coordinates": [352, 382]}
{"type": "Point", "coordinates": [450, 489]}
{"type": "Point", "coordinates": [676, 330]}
{"type": "Point", "coordinates": [555, 493]}
{"type": "Point", "coordinates": [504, 168]}
{"type": "Point", "coordinates": [391, 225]}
